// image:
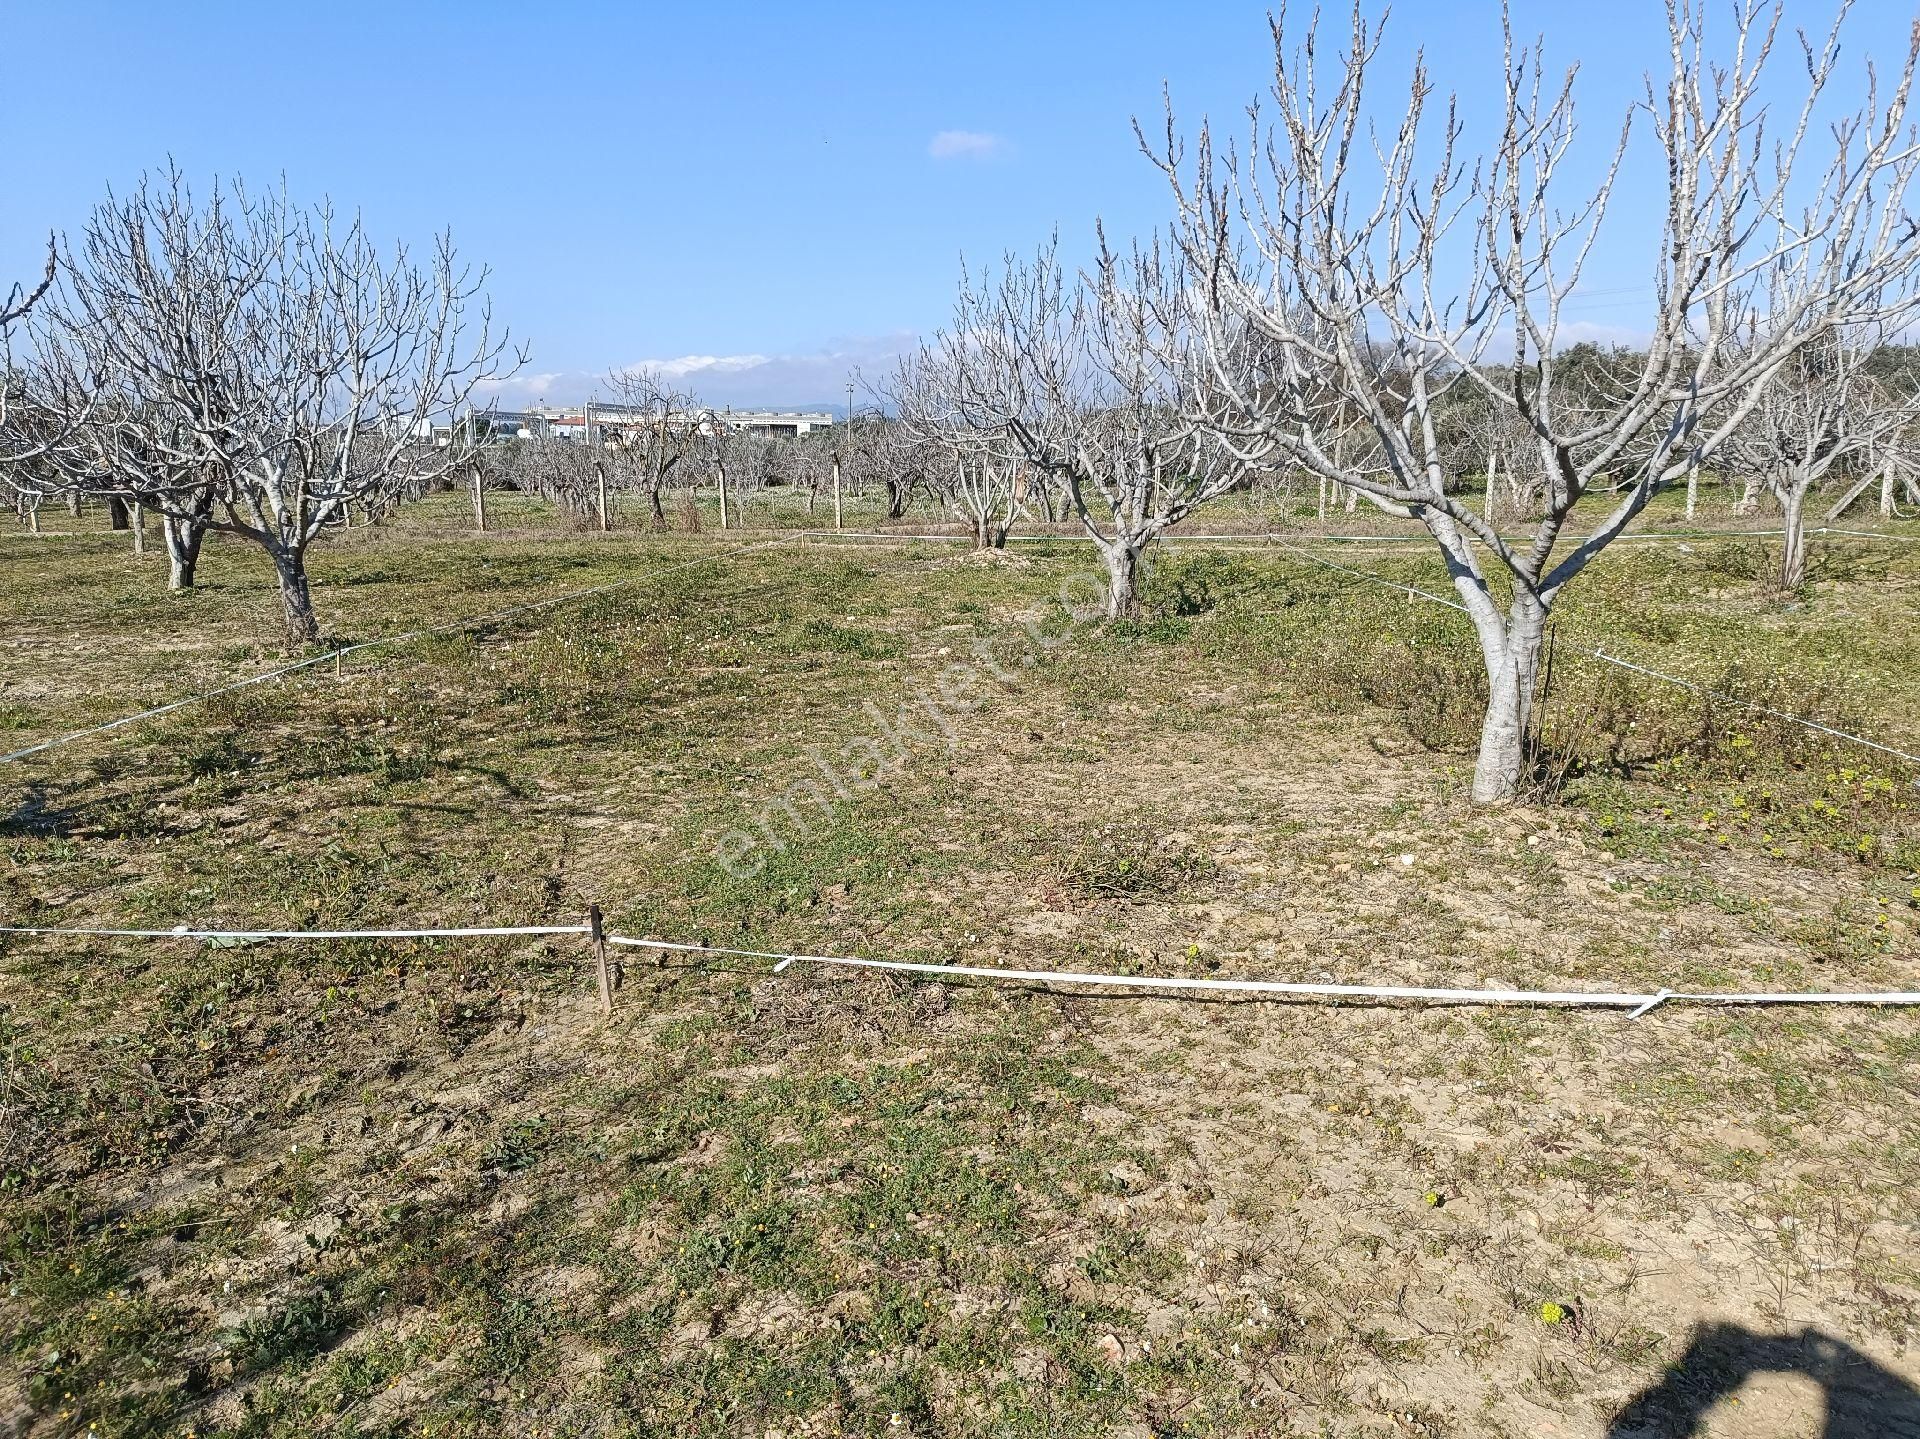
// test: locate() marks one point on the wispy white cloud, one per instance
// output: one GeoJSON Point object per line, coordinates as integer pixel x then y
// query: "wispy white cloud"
{"type": "Point", "coordinates": [813, 379]}
{"type": "Point", "coordinates": [685, 365]}
{"type": "Point", "coordinates": [966, 145]}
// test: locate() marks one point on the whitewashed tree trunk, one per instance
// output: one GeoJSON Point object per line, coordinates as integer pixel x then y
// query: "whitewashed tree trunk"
{"type": "Point", "coordinates": [1122, 558]}
{"type": "Point", "coordinates": [296, 596]}
{"type": "Point", "coordinates": [183, 537]}
{"type": "Point", "coordinates": [1512, 660]}
{"type": "Point", "coordinates": [1793, 556]}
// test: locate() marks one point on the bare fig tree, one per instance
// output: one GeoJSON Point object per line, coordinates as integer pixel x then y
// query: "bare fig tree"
{"type": "Point", "coordinates": [1824, 416]}
{"type": "Point", "coordinates": [1416, 264]}
{"type": "Point", "coordinates": [971, 469]}
{"type": "Point", "coordinates": [659, 427]}
{"type": "Point", "coordinates": [277, 357]}
{"type": "Point", "coordinates": [29, 430]}
{"type": "Point", "coordinates": [1091, 378]}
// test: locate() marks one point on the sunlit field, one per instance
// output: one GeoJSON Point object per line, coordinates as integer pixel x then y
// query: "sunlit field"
{"type": "Point", "coordinates": [412, 1186]}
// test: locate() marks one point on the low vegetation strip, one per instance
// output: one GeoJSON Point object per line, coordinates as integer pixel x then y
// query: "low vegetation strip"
{"type": "Point", "coordinates": [1412, 591]}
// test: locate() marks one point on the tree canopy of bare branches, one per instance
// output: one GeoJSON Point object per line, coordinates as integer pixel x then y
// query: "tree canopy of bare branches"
{"type": "Point", "coordinates": [254, 367]}
{"type": "Point", "coordinates": [1091, 379]}
{"type": "Point", "coordinates": [1379, 274]}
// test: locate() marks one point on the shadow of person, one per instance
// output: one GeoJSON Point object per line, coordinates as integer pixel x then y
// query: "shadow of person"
{"type": "Point", "coordinates": [1863, 1400]}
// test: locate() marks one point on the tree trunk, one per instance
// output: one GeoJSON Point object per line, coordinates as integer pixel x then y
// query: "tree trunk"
{"type": "Point", "coordinates": [1123, 579]}
{"type": "Point", "coordinates": [479, 501]}
{"type": "Point", "coordinates": [1749, 501]}
{"type": "Point", "coordinates": [988, 534]}
{"type": "Point", "coordinates": [723, 496]}
{"type": "Point", "coordinates": [139, 528]}
{"type": "Point", "coordinates": [183, 550]}
{"type": "Point", "coordinates": [1693, 489]}
{"type": "Point", "coordinates": [117, 513]}
{"type": "Point", "coordinates": [1886, 490]}
{"type": "Point", "coordinates": [600, 490]}
{"type": "Point", "coordinates": [1793, 543]}
{"type": "Point", "coordinates": [836, 492]}
{"type": "Point", "coordinates": [1512, 664]}
{"type": "Point", "coordinates": [296, 601]}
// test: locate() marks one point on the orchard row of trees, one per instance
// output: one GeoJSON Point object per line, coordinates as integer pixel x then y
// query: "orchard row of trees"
{"type": "Point", "coordinates": [1345, 300]}
{"type": "Point", "coordinates": [670, 442]}
{"type": "Point", "coordinates": [245, 366]}
{"type": "Point", "coordinates": [1346, 293]}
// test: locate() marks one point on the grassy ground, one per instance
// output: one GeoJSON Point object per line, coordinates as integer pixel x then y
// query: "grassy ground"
{"type": "Point", "coordinates": [412, 1187]}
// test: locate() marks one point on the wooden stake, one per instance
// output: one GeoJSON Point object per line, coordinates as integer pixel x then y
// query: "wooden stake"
{"type": "Point", "coordinates": [596, 933]}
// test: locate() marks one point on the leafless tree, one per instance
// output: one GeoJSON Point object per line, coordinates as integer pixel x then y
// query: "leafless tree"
{"type": "Point", "coordinates": [1422, 263]}
{"type": "Point", "coordinates": [1825, 415]}
{"type": "Point", "coordinates": [1092, 378]}
{"type": "Point", "coordinates": [28, 429]}
{"type": "Point", "coordinates": [972, 468]}
{"type": "Point", "coordinates": [273, 355]}
{"type": "Point", "coordinates": [561, 472]}
{"type": "Point", "coordinates": [905, 463]}
{"type": "Point", "coordinates": [714, 449]}
{"type": "Point", "coordinates": [659, 427]}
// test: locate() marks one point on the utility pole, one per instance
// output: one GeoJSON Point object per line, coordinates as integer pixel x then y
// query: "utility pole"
{"type": "Point", "coordinates": [838, 450]}
{"type": "Point", "coordinates": [721, 440]}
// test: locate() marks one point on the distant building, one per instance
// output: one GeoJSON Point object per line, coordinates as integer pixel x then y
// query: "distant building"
{"type": "Point", "coordinates": [609, 423]}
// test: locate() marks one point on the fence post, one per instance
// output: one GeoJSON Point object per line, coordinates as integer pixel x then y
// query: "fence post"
{"type": "Point", "coordinates": [597, 934]}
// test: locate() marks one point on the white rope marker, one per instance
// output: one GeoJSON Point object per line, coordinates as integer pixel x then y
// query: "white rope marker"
{"type": "Point", "coordinates": [1635, 1004]}
{"type": "Point", "coordinates": [1638, 1004]}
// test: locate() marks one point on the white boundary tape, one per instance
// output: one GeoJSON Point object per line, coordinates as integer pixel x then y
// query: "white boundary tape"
{"type": "Point", "coordinates": [1277, 537]}
{"type": "Point", "coordinates": [1635, 1004]}
{"type": "Point", "coordinates": [1638, 1004]}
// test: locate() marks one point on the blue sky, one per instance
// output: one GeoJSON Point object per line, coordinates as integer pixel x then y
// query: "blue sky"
{"type": "Point", "coordinates": [784, 190]}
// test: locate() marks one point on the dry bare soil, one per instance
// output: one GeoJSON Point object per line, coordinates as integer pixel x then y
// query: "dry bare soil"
{"type": "Point", "coordinates": [416, 1186]}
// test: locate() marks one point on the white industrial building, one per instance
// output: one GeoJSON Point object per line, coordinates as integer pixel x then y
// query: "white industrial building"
{"type": "Point", "coordinates": [603, 423]}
